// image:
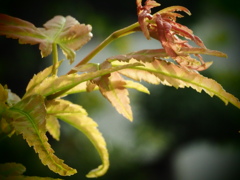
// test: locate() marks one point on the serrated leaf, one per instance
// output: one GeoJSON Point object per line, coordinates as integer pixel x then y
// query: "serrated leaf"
{"type": "Point", "coordinates": [67, 32]}
{"type": "Point", "coordinates": [137, 86]}
{"type": "Point", "coordinates": [53, 84]}
{"type": "Point", "coordinates": [76, 116]}
{"type": "Point", "coordinates": [37, 79]}
{"type": "Point", "coordinates": [28, 118]}
{"type": "Point", "coordinates": [173, 75]}
{"type": "Point", "coordinates": [136, 74]}
{"type": "Point", "coordinates": [129, 84]}
{"type": "Point", "coordinates": [17, 28]}
{"type": "Point", "coordinates": [53, 126]}
{"type": "Point", "coordinates": [12, 169]}
{"type": "Point", "coordinates": [112, 88]}
{"type": "Point", "coordinates": [148, 55]}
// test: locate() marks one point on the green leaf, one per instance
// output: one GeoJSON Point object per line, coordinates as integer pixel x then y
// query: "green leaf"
{"type": "Point", "coordinates": [67, 32]}
{"type": "Point", "coordinates": [28, 118]}
{"type": "Point", "coordinates": [174, 75]}
{"type": "Point", "coordinates": [76, 116]}
{"type": "Point", "coordinates": [8, 169]}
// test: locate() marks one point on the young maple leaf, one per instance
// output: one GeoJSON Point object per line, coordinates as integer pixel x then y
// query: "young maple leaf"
{"type": "Point", "coordinates": [67, 32]}
{"type": "Point", "coordinates": [112, 87]}
{"type": "Point", "coordinates": [163, 27]}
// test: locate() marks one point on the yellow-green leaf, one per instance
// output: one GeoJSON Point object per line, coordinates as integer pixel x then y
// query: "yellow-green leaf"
{"type": "Point", "coordinates": [137, 86]}
{"type": "Point", "coordinates": [28, 118]}
{"type": "Point", "coordinates": [112, 88]}
{"type": "Point", "coordinates": [76, 116]}
{"type": "Point", "coordinates": [174, 75]}
{"type": "Point", "coordinates": [42, 75]}
{"type": "Point", "coordinates": [53, 85]}
{"type": "Point", "coordinates": [53, 126]}
{"type": "Point", "coordinates": [137, 74]}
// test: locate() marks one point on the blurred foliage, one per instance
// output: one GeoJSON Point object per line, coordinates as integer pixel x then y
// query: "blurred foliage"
{"type": "Point", "coordinates": [165, 110]}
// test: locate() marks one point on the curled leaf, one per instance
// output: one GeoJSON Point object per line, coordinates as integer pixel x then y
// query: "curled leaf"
{"type": "Point", "coordinates": [28, 117]}
{"type": "Point", "coordinates": [76, 116]}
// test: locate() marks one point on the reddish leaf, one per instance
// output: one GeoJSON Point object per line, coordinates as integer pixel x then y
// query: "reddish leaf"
{"type": "Point", "coordinates": [184, 58]}
{"type": "Point", "coordinates": [67, 32]}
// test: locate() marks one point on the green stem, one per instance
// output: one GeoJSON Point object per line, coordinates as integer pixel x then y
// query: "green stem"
{"type": "Point", "coordinates": [55, 58]}
{"type": "Point", "coordinates": [115, 35]}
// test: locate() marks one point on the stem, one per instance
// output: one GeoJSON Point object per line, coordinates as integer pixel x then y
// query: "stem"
{"type": "Point", "coordinates": [55, 58]}
{"type": "Point", "coordinates": [115, 35]}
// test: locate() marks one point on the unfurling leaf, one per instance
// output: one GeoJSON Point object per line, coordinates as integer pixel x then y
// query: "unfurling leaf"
{"type": "Point", "coordinates": [76, 116]}
{"type": "Point", "coordinates": [163, 27]}
{"type": "Point", "coordinates": [67, 32]}
{"type": "Point", "coordinates": [28, 117]}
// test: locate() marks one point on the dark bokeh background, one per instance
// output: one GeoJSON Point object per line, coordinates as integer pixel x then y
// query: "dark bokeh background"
{"type": "Point", "coordinates": [168, 123]}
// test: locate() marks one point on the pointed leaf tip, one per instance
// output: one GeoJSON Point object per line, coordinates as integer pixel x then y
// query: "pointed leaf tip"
{"type": "Point", "coordinates": [77, 117]}
{"type": "Point", "coordinates": [113, 89]}
{"type": "Point", "coordinates": [28, 118]}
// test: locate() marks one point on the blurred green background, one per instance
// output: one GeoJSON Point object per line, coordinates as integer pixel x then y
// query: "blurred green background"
{"type": "Point", "coordinates": [176, 134]}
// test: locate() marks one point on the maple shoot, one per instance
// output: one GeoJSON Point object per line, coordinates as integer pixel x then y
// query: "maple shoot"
{"type": "Point", "coordinates": [42, 106]}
